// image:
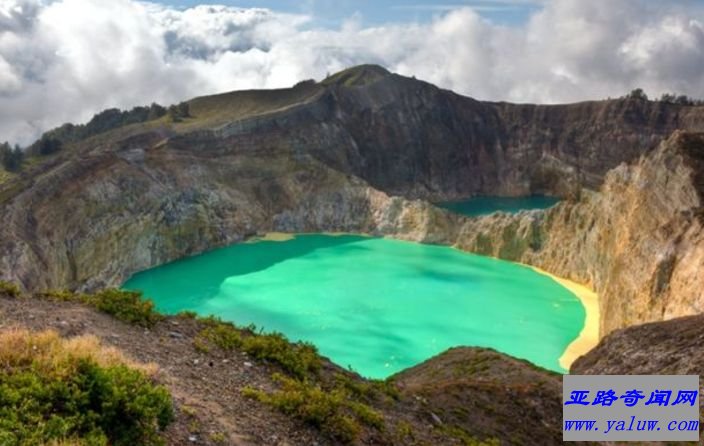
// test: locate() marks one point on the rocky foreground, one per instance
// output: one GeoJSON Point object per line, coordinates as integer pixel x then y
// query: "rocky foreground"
{"type": "Point", "coordinates": [464, 396]}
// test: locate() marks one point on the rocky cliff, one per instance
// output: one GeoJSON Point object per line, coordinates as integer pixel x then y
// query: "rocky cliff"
{"type": "Point", "coordinates": [361, 152]}
{"type": "Point", "coordinates": [638, 241]}
{"type": "Point", "coordinates": [669, 348]}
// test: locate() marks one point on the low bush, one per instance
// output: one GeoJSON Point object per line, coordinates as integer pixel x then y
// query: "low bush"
{"type": "Point", "coordinates": [299, 359]}
{"type": "Point", "coordinates": [71, 392]}
{"type": "Point", "coordinates": [332, 411]}
{"type": "Point", "coordinates": [368, 389]}
{"type": "Point", "coordinates": [127, 306]}
{"type": "Point", "coordinates": [9, 289]}
{"type": "Point", "coordinates": [219, 334]}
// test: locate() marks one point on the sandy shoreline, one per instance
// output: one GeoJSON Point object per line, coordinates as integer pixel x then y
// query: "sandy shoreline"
{"type": "Point", "coordinates": [284, 236]}
{"type": "Point", "coordinates": [589, 336]}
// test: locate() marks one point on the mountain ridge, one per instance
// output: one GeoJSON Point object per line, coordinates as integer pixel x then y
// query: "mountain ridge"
{"type": "Point", "coordinates": [346, 158]}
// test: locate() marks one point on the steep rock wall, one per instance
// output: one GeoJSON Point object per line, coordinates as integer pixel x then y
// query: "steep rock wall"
{"type": "Point", "coordinates": [639, 241]}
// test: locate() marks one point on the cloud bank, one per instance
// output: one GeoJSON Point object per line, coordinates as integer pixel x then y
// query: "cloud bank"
{"type": "Point", "coordinates": [64, 60]}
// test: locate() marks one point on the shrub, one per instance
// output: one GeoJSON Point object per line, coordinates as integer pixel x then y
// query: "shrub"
{"type": "Point", "coordinates": [106, 120]}
{"type": "Point", "coordinates": [367, 415]}
{"type": "Point", "coordinates": [369, 389]}
{"type": "Point", "coordinates": [329, 410]}
{"type": "Point", "coordinates": [58, 391]}
{"type": "Point", "coordinates": [178, 112]}
{"type": "Point", "coordinates": [48, 145]}
{"type": "Point", "coordinates": [638, 94]}
{"type": "Point", "coordinates": [127, 306]}
{"type": "Point", "coordinates": [404, 432]}
{"type": "Point", "coordinates": [222, 335]}
{"type": "Point", "coordinates": [187, 315]}
{"type": "Point", "coordinates": [298, 359]}
{"type": "Point", "coordinates": [9, 289]}
{"type": "Point", "coordinates": [10, 158]}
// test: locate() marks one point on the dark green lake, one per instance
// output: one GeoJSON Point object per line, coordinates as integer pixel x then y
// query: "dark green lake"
{"type": "Point", "coordinates": [377, 305]}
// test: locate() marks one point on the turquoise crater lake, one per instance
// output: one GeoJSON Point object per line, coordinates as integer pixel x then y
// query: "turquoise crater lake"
{"type": "Point", "coordinates": [376, 305]}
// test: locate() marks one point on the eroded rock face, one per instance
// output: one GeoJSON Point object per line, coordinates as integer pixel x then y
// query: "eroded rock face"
{"type": "Point", "coordinates": [362, 158]}
{"type": "Point", "coordinates": [411, 139]}
{"type": "Point", "coordinates": [484, 392]}
{"type": "Point", "coordinates": [639, 241]}
{"type": "Point", "coordinates": [666, 348]}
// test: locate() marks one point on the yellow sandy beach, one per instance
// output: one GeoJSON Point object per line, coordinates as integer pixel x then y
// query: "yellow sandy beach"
{"type": "Point", "coordinates": [284, 236]}
{"type": "Point", "coordinates": [589, 336]}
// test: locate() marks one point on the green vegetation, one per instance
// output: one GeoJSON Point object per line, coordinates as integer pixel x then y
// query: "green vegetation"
{"type": "Point", "coordinates": [10, 158]}
{"type": "Point", "coordinates": [637, 94]}
{"type": "Point", "coordinates": [668, 98]}
{"type": "Point", "coordinates": [681, 99]}
{"type": "Point", "coordinates": [178, 113]}
{"type": "Point", "coordinates": [404, 432]}
{"type": "Point", "coordinates": [127, 306]}
{"type": "Point", "coordinates": [9, 289]}
{"type": "Point", "coordinates": [337, 408]}
{"type": "Point", "coordinates": [58, 391]}
{"type": "Point", "coordinates": [187, 315]}
{"type": "Point", "coordinates": [227, 107]}
{"type": "Point", "coordinates": [368, 389]}
{"type": "Point", "coordinates": [333, 411]}
{"type": "Point", "coordinates": [299, 359]}
{"type": "Point", "coordinates": [112, 118]}
{"type": "Point", "coordinates": [338, 405]}
{"type": "Point", "coordinates": [218, 438]}
{"type": "Point", "coordinates": [48, 145]}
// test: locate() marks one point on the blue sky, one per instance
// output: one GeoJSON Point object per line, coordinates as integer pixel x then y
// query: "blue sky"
{"type": "Point", "coordinates": [375, 12]}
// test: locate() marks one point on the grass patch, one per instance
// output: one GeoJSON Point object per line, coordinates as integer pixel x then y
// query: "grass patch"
{"type": "Point", "coordinates": [370, 389]}
{"type": "Point", "coordinates": [333, 411]}
{"type": "Point", "coordinates": [5, 175]}
{"type": "Point", "coordinates": [9, 289]}
{"type": "Point", "coordinates": [76, 392]}
{"type": "Point", "coordinates": [404, 432]}
{"type": "Point", "coordinates": [127, 306]}
{"type": "Point", "coordinates": [218, 334]}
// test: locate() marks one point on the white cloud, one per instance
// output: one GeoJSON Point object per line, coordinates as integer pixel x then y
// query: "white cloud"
{"type": "Point", "coordinates": [64, 60]}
